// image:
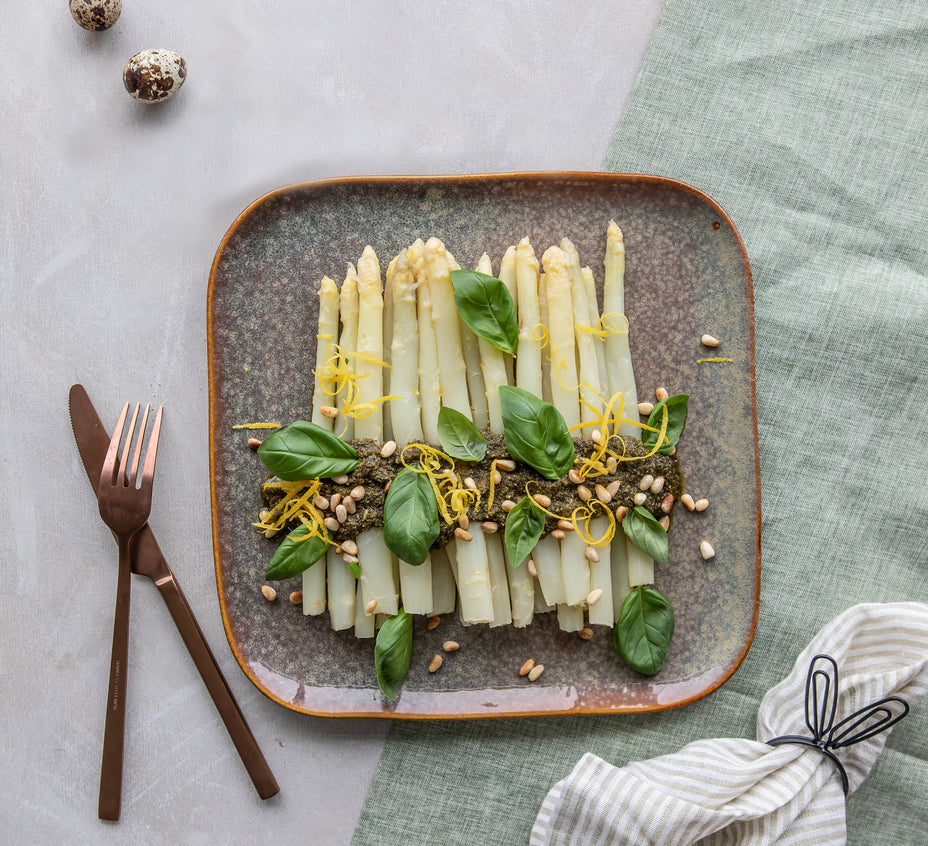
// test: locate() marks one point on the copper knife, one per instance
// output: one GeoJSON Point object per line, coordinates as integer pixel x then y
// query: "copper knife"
{"type": "Point", "coordinates": [148, 560]}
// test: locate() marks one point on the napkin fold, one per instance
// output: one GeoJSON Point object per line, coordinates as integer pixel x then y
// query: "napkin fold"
{"type": "Point", "coordinates": [745, 791]}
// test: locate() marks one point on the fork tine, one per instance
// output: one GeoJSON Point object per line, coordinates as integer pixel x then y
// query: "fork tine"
{"type": "Point", "coordinates": [148, 472]}
{"type": "Point", "coordinates": [134, 471]}
{"type": "Point", "coordinates": [123, 476]}
{"type": "Point", "coordinates": [109, 463]}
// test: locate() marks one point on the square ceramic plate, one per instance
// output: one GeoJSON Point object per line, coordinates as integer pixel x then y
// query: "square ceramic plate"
{"type": "Point", "coordinates": [687, 274]}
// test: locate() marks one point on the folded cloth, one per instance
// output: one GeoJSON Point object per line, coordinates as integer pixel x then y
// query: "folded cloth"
{"type": "Point", "coordinates": [745, 791]}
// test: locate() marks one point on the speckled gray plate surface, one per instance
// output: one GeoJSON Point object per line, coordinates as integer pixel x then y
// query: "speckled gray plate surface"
{"type": "Point", "coordinates": [687, 274]}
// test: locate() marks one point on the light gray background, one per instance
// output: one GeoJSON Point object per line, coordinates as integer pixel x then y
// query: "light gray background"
{"type": "Point", "coordinates": [111, 214]}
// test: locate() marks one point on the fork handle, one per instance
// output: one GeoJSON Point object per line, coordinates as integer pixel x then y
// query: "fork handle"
{"type": "Point", "coordinates": [114, 731]}
{"type": "Point", "coordinates": [245, 743]}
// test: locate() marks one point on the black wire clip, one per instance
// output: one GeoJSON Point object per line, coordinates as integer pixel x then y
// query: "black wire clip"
{"type": "Point", "coordinates": [821, 704]}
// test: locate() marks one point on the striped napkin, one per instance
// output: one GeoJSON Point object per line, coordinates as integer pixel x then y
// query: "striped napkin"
{"type": "Point", "coordinates": [730, 791]}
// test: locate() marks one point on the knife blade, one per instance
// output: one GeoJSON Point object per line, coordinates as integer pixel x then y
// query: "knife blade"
{"type": "Point", "coordinates": [148, 560]}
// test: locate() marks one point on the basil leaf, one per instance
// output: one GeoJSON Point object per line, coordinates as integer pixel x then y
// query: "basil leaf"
{"type": "Point", "coordinates": [410, 517]}
{"type": "Point", "coordinates": [676, 406]}
{"type": "Point", "coordinates": [536, 434]}
{"type": "Point", "coordinates": [646, 533]}
{"type": "Point", "coordinates": [485, 305]}
{"type": "Point", "coordinates": [393, 653]}
{"type": "Point", "coordinates": [642, 634]}
{"type": "Point", "coordinates": [294, 555]}
{"type": "Point", "coordinates": [524, 526]}
{"type": "Point", "coordinates": [459, 437]}
{"type": "Point", "coordinates": [303, 450]}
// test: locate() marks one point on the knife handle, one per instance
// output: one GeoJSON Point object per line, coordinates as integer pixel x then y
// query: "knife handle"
{"type": "Point", "coordinates": [245, 743]}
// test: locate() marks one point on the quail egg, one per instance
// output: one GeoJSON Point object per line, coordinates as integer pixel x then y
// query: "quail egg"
{"type": "Point", "coordinates": [154, 75]}
{"type": "Point", "coordinates": [95, 15]}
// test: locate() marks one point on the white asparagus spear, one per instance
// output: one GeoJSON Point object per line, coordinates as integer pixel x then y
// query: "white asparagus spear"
{"type": "Point", "coordinates": [586, 316]}
{"type": "Point", "coordinates": [501, 575]}
{"type": "Point", "coordinates": [546, 555]}
{"type": "Point", "coordinates": [471, 556]}
{"type": "Point", "coordinates": [548, 351]}
{"type": "Point", "coordinates": [590, 284]}
{"type": "Point", "coordinates": [574, 564]}
{"type": "Point", "coordinates": [619, 563]}
{"type": "Point", "coordinates": [314, 588]}
{"type": "Point", "coordinates": [621, 373]}
{"type": "Point", "coordinates": [471, 347]}
{"type": "Point", "coordinates": [405, 419]}
{"type": "Point", "coordinates": [429, 382]}
{"type": "Point", "coordinates": [326, 337]}
{"type": "Point", "coordinates": [569, 618]}
{"type": "Point", "coordinates": [342, 590]}
{"type": "Point", "coordinates": [388, 343]}
{"type": "Point", "coordinates": [507, 275]}
{"type": "Point", "coordinates": [444, 589]}
{"type": "Point", "coordinates": [363, 622]}
{"type": "Point", "coordinates": [377, 581]}
{"type": "Point", "coordinates": [348, 341]}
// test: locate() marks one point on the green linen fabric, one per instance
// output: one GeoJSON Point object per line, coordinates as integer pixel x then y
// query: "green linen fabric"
{"type": "Point", "coordinates": [808, 122]}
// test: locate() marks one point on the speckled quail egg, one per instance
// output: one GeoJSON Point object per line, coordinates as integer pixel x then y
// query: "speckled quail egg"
{"type": "Point", "coordinates": [154, 75]}
{"type": "Point", "coordinates": [95, 15]}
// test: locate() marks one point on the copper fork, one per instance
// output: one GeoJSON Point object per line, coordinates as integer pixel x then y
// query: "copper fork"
{"type": "Point", "coordinates": [125, 502]}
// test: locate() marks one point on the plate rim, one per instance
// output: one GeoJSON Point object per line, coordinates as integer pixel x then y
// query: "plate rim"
{"type": "Point", "coordinates": [383, 709]}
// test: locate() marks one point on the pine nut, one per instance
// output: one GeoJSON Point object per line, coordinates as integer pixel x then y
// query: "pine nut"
{"type": "Point", "coordinates": [263, 513]}
{"type": "Point", "coordinates": [348, 558]}
{"type": "Point", "coordinates": [270, 533]}
{"type": "Point", "coordinates": [645, 407]}
{"type": "Point", "coordinates": [350, 547]}
{"type": "Point", "coordinates": [433, 622]}
{"type": "Point", "coordinates": [388, 449]}
{"type": "Point", "coordinates": [542, 500]}
{"type": "Point", "coordinates": [254, 443]}
{"type": "Point", "coordinates": [565, 525]}
{"type": "Point", "coordinates": [611, 464]}
{"type": "Point", "coordinates": [594, 596]}
{"type": "Point", "coordinates": [469, 483]}
{"type": "Point", "coordinates": [350, 505]}
{"type": "Point", "coordinates": [321, 502]}
{"type": "Point", "coordinates": [665, 522]}
{"type": "Point", "coordinates": [620, 513]}
{"type": "Point", "coordinates": [661, 394]}
{"type": "Point", "coordinates": [641, 498]}
{"type": "Point", "coordinates": [701, 504]}
{"type": "Point", "coordinates": [710, 340]}
{"type": "Point", "coordinates": [462, 534]}
{"type": "Point", "coordinates": [667, 504]}
{"type": "Point", "coordinates": [340, 480]}
{"type": "Point", "coordinates": [451, 646]}
{"type": "Point", "coordinates": [586, 633]}
{"type": "Point", "coordinates": [328, 411]}
{"type": "Point", "coordinates": [613, 487]}
{"type": "Point", "coordinates": [436, 663]}
{"type": "Point", "coordinates": [497, 477]}
{"type": "Point", "coordinates": [526, 668]}
{"type": "Point", "coordinates": [559, 534]}
{"type": "Point", "coordinates": [574, 477]}
{"type": "Point", "coordinates": [507, 505]}
{"type": "Point", "coordinates": [584, 493]}
{"type": "Point", "coordinates": [506, 464]}
{"type": "Point", "coordinates": [591, 554]}
{"type": "Point", "coordinates": [357, 494]}
{"type": "Point", "coordinates": [296, 597]}
{"type": "Point", "coordinates": [331, 524]}
{"type": "Point", "coordinates": [371, 607]}
{"type": "Point", "coordinates": [532, 569]}
{"type": "Point", "coordinates": [386, 487]}
{"type": "Point", "coordinates": [269, 593]}
{"type": "Point", "coordinates": [490, 527]}
{"type": "Point", "coordinates": [463, 521]}
{"type": "Point", "coordinates": [535, 672]}
{"type": "Point", "coordinates": [341, 513]}
{"type": "Point", "coordinates": [657, 485]}
{"type": "Point", "coordinates": [334, 500]}
{"type": "Point", "coordinates": [596, 437]}
{"type": "Point", "coordinates": [603, 495]}
{"type": "Point", "coordinates": [687, 500]}
{"type": "Point", "coordinates": [646, 481]}
{"type": "Point", "coordinates": [706, 550]}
